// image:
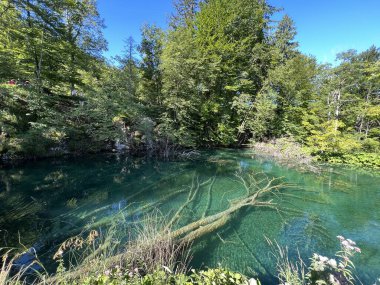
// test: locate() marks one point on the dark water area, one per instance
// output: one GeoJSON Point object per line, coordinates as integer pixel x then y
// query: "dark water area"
{"type": "Point", "coordinates": [43, 203]}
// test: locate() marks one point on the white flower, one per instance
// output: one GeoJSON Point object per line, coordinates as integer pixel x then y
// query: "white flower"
{"type": "Point", "coordinates": [332, 263]}
{"type": "Point", "coordinates": [332, 279]}
{"type": "Point", "coordinates": [319, 266]}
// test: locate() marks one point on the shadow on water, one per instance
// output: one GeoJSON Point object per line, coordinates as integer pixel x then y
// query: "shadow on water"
{"type": "Point", "coordinates": [43, 203]}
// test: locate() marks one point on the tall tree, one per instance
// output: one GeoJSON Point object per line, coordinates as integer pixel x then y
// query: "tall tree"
{"type": "Point", "coordinates": [151, 46]}
{"type": "Point", "coordinates": [284, 39]}
{"type": "Point", "coordinates": [185, 11]}
{"type": "Point", "coordinates": [83, 39]}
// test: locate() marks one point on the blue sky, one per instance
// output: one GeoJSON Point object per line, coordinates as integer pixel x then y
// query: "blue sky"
{"type": "Point", "coordinates": [325, 27]}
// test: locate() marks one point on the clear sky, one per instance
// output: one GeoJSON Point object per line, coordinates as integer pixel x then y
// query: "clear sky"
{"type": "Point", "coordinates": [325, 27]}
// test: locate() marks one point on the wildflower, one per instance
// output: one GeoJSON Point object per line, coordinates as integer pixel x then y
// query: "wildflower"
{"type": "Point", "coordinates": [252, 281]}
{"type": "Point", "coordinates": [341, 238]}
{"type": "Point", "coordinates": [332, 279]}
{"type": "Point", "coordinates": [357, 249]}
{"type": "Point", "coordinates": [319, 266]}
{"type": "Point", "coordinates": [351, 248]}
{"type": "Point", "coordinates": [332, 263]}
{"type": "Point", "coordinates": [107, 272]}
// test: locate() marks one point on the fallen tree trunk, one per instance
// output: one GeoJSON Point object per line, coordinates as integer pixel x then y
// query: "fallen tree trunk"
{"type": "Point", "coordinates": [209, 224]}
{"type": "Point", "coordinates": [255, 195]}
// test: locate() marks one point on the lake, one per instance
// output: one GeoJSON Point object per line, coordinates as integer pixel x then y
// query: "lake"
{"type": "Point", "coordinates": [43, 203]}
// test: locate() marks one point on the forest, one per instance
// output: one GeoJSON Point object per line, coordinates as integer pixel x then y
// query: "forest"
{"type": "Point", "coordinates": [224, 74]}
{"type": "Point", "coordinates": [226, 80]}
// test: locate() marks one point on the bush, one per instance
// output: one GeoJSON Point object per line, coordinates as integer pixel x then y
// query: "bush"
{"type": "Point", "coordinates": [371, 145]}
{"type": "Point", "coordinates": [362, 159]}
{"type": "Point", "coordinates": [217, 276]}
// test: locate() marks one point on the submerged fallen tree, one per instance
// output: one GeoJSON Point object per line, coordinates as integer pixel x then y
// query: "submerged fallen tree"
{"type": "Point", "coordinates": [157, 242]}
{"type": "Point", "coordinates": [253, 198]}
{"type": "Point", "coordinates": [157, 245]}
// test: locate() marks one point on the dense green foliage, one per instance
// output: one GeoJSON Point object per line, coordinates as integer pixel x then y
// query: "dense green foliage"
{"type": "Point", "coordinates": [223, 74]}
{"type": "Point", "coordinates": [161, 277]}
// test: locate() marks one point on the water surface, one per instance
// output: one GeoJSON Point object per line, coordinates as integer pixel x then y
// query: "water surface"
{"type": "Point", "coordinates": [42, 203]}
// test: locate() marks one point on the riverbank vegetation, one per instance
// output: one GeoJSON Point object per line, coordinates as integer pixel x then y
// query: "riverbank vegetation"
{"type": "Point", "coordinates": [223, 74]}
{"type": "Point", "coordinates": [153, 257]}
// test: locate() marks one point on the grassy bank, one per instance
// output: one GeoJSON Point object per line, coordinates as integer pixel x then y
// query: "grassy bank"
{"type": "Point", "coordinates": [152, 259]}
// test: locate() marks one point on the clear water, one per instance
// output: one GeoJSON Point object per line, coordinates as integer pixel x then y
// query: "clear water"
{"type": "Point", "coordinates": [43, 203]}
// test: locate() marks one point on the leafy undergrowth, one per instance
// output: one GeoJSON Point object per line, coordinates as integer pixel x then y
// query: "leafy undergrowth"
{"type": "Point", "coordinates": [163, 277]}
{"type": "Point", "coordinates": [292, 154]}
{"type": "Point", "coordinates": [370, 160]}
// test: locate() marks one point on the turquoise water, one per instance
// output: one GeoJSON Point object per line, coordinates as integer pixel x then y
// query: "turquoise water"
{"type": "Point", "coordinates": [42, 203]}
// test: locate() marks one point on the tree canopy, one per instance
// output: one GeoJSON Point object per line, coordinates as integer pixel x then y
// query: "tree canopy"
{"type": "Point", "coordinates": [223, 74]}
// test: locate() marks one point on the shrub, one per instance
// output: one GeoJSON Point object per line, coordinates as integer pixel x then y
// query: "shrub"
{"type": "Point", "coordinates": [371, 160]}
{"type": "Point", "coordinates": [164, 276]}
